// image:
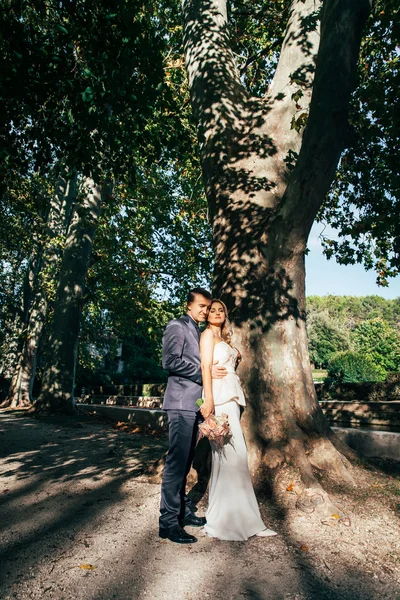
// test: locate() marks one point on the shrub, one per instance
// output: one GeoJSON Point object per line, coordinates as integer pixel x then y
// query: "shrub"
{"type": "Point", "coordinates": [381, 342]}
{"type": "Point", "coordinates": [352, 367]}
{"type": "Point", "coordinates": [325, 338]}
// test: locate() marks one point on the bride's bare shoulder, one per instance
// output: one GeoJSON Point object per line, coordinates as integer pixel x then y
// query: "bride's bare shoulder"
{"type": "Point", "coordinates": [207, 334]}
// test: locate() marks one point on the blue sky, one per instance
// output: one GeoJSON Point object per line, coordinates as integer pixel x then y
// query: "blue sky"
{"type": "Point", "coordinates": [325, 277]}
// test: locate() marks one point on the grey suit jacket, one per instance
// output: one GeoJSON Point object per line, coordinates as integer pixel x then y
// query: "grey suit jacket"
{"type": "Point", "coordinates": [181, 358]}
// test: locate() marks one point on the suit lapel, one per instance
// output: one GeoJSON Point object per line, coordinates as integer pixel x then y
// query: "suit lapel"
{"type": "Point", "coordinates": [191, 327]}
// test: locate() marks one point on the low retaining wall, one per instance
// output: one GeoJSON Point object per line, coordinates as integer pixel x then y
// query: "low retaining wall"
{"type": "Point", "coordinates": [346, 414]}
{"type": "Point", "coordinates": [382, 444]}
{"type": "Point", "coordinates": [137, 401]}
{"type": "Point", "coordinates": [138, 416]}
{"type": "Point", "coordinates": [377, 414]}
{"type": "Point", "coordinates": [386, 391]}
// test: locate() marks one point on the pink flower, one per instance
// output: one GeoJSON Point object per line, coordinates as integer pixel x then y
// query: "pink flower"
{"type": "Point", "coordinates": [216, 429]}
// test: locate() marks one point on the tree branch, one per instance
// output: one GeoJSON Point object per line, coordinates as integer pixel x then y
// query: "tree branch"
{"type": "Point", "coordinates": [296, 64]}
{"type": "Point", "coordinates": [245, 142]}
{"type": "Point", "coordinates": [213, 77]}
{"type": "Point", "coordinates": [324, 138]}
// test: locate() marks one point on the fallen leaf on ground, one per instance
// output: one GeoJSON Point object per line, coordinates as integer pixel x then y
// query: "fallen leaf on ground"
{"type": "Point", "coordinates": [290, 487]}
{"type": "Point", "coordinates": [335, 516]}
{"type": "Point", "coordinates": [304, 548]}
{"type": "Point", "coordinates": [329, 522]}
{"type": "Point", "coordinates": [88, 567]}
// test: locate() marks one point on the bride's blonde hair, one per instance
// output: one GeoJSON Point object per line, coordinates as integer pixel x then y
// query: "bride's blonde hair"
{"type": "Point", "coordinates": [226, 327]}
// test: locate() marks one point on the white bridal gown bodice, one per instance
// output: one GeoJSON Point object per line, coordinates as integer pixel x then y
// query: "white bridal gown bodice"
{"type": "Point", "coordinates": [233, 512]}
{"type": "Point", "coordinates": [229, 387]}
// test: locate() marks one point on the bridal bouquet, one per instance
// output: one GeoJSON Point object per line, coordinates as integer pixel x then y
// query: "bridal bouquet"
{"type": "Point", "coordinates": [216, 429]}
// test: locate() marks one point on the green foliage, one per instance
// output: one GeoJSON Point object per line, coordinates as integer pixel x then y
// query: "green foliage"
{"type": "Point", "coordinates": [152, 245]}
{"type": "Point", "coordinates": [325, 337]}
{"type": "Point", "coordinates": [102, 88]}
{"type": "Point", "coordinates": [367, 325]}
{"type": "Point", "coordinates": [90, 76]}
{"type": "Point", "coordinates": [144, 369]}
{"type": "Point", "coordinates": [257, 46]}
{"type": "Point", "coordinates": [364, 201]}
{"type": "Point", "coordinates": [375, 339]}
{"type": "Point", "coordinates": [353, 367]}
{"type": "Point", "coordinates": [104, 95]}
{"type": "Point", "coordinates": [349, 311]}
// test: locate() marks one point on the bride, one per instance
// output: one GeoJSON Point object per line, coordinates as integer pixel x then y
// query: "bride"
{"type": "Point", "coordinates": [233, 512]}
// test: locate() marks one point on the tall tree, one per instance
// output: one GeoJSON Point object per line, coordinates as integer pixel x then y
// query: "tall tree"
{"type": "Point", "coordinates": [23, 208]}
{"type": "Point", "coordinates": [91, 73]}
{"type": "Point", "coordinates": [20, 391]}
{"type": "Point", "coordinates": [268, 164]}
{"type": "Point", "coordinates": [57, 394]}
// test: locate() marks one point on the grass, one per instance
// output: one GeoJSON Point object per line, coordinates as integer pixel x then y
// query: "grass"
{"type": "Point", "coordinates": [319, 374]}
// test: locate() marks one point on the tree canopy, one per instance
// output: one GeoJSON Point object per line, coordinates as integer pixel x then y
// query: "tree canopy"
{"type": "Point", "coordinates": [101, 89]}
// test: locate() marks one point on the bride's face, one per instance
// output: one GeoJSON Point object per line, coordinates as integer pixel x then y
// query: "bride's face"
{"type": "Point", "coordinates": [216, 316]}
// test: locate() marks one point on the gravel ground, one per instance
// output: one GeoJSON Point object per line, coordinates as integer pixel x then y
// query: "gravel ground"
{"type": "Point", "coordinates": [79, 521]}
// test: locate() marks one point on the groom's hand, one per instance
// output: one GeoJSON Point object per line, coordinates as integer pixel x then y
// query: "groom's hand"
{"type": "Point", "coordinates": [218, 372]}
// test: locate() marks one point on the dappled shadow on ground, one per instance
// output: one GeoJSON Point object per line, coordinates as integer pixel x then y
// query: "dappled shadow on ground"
{"type": "Point", "coordinates": [57, 476]}
{"type": "Point", "coordinates": [71, 494]}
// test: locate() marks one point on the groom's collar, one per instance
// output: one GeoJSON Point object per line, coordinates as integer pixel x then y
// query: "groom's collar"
{"type": "Point", "coordinates": [192, 326]}
{"type": "Point", "coordinates": [190, 320]}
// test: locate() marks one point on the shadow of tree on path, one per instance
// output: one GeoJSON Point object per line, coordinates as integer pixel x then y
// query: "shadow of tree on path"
{"type": "Point", "coordinates": [69, 486]}
{"type": "Point", "coordinates": [58, 477]}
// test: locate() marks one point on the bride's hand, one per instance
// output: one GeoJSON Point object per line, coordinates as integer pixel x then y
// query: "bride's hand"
{"type": "Point", "coordinates": [207, 409]}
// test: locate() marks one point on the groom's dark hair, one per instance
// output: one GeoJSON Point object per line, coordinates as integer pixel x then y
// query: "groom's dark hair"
{"type": "Point", "coordinates": [198, 291]}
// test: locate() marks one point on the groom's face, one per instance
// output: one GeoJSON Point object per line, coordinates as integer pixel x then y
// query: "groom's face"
{"type": "Point", "coordinates": [198, 309]}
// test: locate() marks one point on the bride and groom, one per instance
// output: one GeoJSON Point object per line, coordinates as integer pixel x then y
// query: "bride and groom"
{"type": "Point", "coordinates": [204, 365]}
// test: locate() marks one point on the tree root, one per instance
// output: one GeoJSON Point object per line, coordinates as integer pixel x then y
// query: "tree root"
{"type": "Point", "coordinates": [325, 457]}
{"type": "Point", "coordinates": [296, 476]}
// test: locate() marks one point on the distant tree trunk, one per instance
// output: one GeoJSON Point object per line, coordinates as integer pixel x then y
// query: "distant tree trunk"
{"type": "Point", "coordinates": [19, 319]}
{"type": "Point", "coordinates": [265, 181]}
{"type": "Point", "coordinates": [20, 391]}
{"type": "Point", "coordinates": [57, 393]}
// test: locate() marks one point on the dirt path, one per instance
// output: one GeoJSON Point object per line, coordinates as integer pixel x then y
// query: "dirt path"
{"type": "Point", "coordinates": [72, 494]}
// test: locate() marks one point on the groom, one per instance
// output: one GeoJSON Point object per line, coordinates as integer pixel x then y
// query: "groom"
{"type": "Point", "coordinates": [181, 358]}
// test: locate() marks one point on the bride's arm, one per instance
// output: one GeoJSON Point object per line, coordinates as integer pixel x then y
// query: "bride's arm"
{"type": "Point", "coordinates": [207, 357]}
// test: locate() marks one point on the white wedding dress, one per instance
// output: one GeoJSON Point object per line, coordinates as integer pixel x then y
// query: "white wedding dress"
{"type": "Point", "coordinates": [233, 512]}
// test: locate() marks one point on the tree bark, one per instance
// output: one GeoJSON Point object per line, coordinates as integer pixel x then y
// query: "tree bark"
{"type": "Point", "coordinates": [57, 393]}
{"type": "Point", "coordinates": [265, 179]}
{"type": "Point", "coordinates": [20, 391]}
{"type": "Point", "coordinates": [18, 320]}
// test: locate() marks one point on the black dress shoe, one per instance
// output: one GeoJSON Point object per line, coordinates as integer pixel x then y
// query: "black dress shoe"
{"type": "Point", "coordinates": [194, 521]}
{"type": "Point", "coordinates": [177, 534]}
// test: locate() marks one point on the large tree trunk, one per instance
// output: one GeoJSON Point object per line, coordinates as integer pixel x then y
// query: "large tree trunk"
{"type": "Point", "coordinates": [265, 179]}
{"type": "Point", "coordinates": [57, 394]}
{"type": "Point", "coordinates": [20, 391]}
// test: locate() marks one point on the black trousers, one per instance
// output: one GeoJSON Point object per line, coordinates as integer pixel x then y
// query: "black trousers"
{"type": "Point", "coordinates": [183, 430]}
